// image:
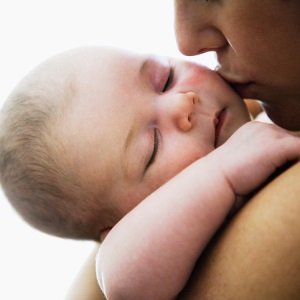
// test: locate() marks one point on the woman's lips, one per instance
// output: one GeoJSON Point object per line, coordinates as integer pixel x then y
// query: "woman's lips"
{"type": "Point", "coordinates": [243, 89]}
{"type": "Point", "coordinates": [219, 122]}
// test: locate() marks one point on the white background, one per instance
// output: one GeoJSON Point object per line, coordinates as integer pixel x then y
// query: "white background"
{"type": "Point", "coordinates": [33, 265]}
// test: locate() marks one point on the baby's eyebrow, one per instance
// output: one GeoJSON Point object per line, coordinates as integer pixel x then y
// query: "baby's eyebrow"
{"type": "Point", "coordinates": [143, 70]}
{"type": "Point", "coordinates": [129, 138]}
{"type": "Point", "coordinates": [128, 155]}
{"type": "Point", "coordinates": [144, 66]}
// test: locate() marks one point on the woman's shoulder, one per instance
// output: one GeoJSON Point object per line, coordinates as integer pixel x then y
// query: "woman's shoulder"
{"type": "Point", "coordinates": [257, 255]}
{"type": "Point", "coordinates": [284, 189]}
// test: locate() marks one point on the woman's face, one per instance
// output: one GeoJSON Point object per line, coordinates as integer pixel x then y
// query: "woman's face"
{"type": "Point", "coordinates": [257, 45]}
{"type": "Point", "coordinates": [136, 121]}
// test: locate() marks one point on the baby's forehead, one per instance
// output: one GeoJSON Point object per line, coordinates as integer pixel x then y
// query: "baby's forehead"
{"type": "Point", "coordinates": [71, 62]}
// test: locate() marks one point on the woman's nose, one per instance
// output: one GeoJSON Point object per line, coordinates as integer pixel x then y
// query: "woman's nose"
{"type": "Point", "coordinates": [195, 30]}
{"type": "Point", "coordinates": [181, 109]}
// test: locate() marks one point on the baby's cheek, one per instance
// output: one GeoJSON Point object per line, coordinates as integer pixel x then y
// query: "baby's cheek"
{"type": "Point", "coordinates": [166, 172]}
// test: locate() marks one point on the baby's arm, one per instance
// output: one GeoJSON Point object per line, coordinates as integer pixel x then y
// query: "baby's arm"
{"type": "Point", "coordinates": [151, 252]}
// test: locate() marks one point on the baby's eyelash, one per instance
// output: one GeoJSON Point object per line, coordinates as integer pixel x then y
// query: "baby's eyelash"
{"type": "Point", "coordinates": [169, 80]}
{"type": "Point", "coordinates": [155, 148]}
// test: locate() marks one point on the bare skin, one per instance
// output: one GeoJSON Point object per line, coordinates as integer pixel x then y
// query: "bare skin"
{"type": "Point", "coordinates": [257, 255]}
{"type": "Point", "coordinates": [86, 278]}
{"type": "Point", "coordinates": [257, 252]}
{"type": "Point", "coordinates": [227, 270]}
{"type": "Point", "coordinates": [176, 241]}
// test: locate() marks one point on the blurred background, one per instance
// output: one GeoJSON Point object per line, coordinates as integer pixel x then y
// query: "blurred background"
{"type": "Point", "coordinates": [33, 265]}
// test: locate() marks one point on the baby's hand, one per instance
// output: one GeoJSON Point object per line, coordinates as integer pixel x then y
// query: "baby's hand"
{"type": "Point", "coordinates": [254, 153]}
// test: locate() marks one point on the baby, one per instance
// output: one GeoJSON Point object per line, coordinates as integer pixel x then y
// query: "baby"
{"type": "Point", "coordinates": [90, 137]}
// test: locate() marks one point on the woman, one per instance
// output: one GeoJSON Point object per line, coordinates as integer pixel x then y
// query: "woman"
{"type": "Point", "coordinates": [256, 256]}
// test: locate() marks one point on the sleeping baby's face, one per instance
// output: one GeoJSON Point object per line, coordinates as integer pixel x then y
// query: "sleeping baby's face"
{"type": "Point", "coordinates": [135, 121]}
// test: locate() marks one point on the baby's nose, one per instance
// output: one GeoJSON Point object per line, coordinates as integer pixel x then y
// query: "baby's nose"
{"type": "Point", "coordinates": [183, 108]}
